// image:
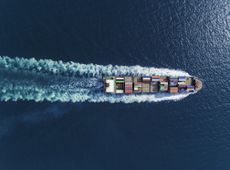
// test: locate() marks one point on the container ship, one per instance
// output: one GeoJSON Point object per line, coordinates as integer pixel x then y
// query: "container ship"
{"type": "Point", "coordinates": [151, 84]}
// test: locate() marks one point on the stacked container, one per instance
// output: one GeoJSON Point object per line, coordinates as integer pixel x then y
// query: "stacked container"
{"type": "Point", "coordinates": [146, 84]}
{"type": "Point", "coordinates": [182, 84]}
{"type": "Point", "coordinates": [128, 85]}
{"type": "Point", "coordinates": [190, 88]}
{"type": "Point", "coordinates": [163, 84]}
{"type": "Point", "coordinates": [137, 85]}
{"type": "Point", "coordinates": [119, 84]}
{"type": "Point", "coordinates": [154, 87]}
{"type": "Point", "coordinates": [173, 83]}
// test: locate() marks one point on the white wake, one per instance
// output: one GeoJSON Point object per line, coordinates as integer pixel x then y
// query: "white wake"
{"type": "Point", "coordinates": [48, 80]}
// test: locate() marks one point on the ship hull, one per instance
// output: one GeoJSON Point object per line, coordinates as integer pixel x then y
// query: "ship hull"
{"type": "Point", "coordinates": [151, 84]}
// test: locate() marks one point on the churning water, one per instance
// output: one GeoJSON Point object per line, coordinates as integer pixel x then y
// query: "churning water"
{"type": "Point", "coordinates": [39, 80]}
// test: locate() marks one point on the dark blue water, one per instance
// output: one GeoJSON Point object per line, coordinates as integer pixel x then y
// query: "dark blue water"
{"type": "Point", "coordinates": [192, 134]}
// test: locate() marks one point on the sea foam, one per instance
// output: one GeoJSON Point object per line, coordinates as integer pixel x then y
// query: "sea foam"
{"type": "Point", "coordinates": [48, 80]}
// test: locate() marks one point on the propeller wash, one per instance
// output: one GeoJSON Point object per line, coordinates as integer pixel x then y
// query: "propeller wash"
{"type": "Point", "coordinates": [48, 80]}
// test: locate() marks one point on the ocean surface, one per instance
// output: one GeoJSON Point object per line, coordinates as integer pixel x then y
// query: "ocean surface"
{"type": "Point", "coordinates": [190, 134]}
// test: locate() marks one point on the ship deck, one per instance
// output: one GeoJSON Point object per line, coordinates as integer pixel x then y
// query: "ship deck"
{"type": "Point", "coordinates": [151, 84]}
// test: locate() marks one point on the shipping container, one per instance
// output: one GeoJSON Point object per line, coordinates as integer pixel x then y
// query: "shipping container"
{"type": "Point", "coordinates": [151, 84]}
{"type": "Point", "coordinates": [173, 89]}
{"type": "Point", "coordinates": [155, 78]}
